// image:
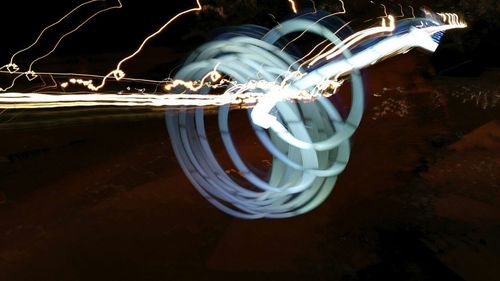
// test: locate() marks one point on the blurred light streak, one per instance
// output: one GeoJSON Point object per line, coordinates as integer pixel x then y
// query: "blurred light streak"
{"type": "Point", "coordinates": [30, 73]}
{"type": "Point", "coordinates": [320, 19]}
{"type": "Point", "coordinates": [412, 12]}
{"type": "Point", "coordinates": [118, 73]}
{"type": "Point", "coordinates": [293, 6]}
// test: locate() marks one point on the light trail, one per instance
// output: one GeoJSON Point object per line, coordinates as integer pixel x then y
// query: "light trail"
{"type": "Point", "coordinates": [195, 86]}
{"type": "Point", "coordinates": [37, 100]}
{"type": "Point", "coordinates": [330, 44]}
{"type": "Point", "coordinates": [293, 6]}
{"type": "Point", "coordinates": [119, 6]}
{"type": "Point", "coordinates": [210, 79]}
{"type": "Point", "coordinates": [355, 38]}
{"type": "Point", "coordinates": [73, 74]}
{"type": "Point", "coordinates": [30, 73]}
{"type": "Point", "coordinates": [385, 10]}
{"type": "Point", "coordinates": [412, 12]}
{"type": "Point", "coordinates": [118, 73]}
{"type": "Point", "coordinates": [401, 11]}
{"type": "Point", "coordinates": [319, 20]}
{"type": "Point", "coordinates": [12, 67]}
{"type": "Point", "coordinates": [303, 131]}
{"type": "Point", "coordinates": [308, 142]}
{"type": "Point", "coordinates": [314, 6]}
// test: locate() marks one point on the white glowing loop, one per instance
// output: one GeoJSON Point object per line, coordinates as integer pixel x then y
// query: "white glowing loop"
{"type": "Point", "coordinates": [309, 142]}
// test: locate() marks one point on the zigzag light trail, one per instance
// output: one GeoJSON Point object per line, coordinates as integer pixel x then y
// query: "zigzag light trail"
{"type": "Point", "coordinates": [12, 67]}
{"type": "Point", "coordinates": [118, 73]}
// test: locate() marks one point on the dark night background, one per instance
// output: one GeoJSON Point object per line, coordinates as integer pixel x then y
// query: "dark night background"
{"type": "Point", "coordinates": [97, 194]}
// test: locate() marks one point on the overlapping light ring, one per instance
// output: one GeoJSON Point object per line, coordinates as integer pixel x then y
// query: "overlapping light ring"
{"type": "Point", "coordinates": [307, 158]}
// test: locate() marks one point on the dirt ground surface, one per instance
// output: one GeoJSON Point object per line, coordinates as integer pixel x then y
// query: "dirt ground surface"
{"type": "Point", "coordinates": [99, 195]}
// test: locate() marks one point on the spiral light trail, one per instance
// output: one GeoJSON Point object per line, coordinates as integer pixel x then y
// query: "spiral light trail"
{"type": "Point", "coordinates": [309, 141]}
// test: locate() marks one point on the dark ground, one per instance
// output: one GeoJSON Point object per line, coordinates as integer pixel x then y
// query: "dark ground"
{"type": "Point", "coordinates": [98, 195]}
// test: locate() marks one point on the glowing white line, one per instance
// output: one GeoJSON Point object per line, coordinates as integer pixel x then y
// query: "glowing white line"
{"type": "Point", "coordinates": [48, 27]}
{"type": "Point", "coordinates": [30, 74]}
{"type": "Point", "coordinates": [322, 18]}
{"type": "Point", "coordinates": [385, 10]}
{"type": "Point", "coordinates": [412, 11]}
{"type": "Point", "coordinates": [292, 5]}
{"type": "Point", "coordinates": [118, 72]}
{"type": "Point", "coordinates": [356, 37]}
{"type": "Point", "coordinates": [238, 95]}
{"type": "Point", "coordinates": [119, 6]}
{"type": "Point", "coordinates": [73, 74]}
{"type": "Point", "coordinates": [402, 12]}
{"type": "Point", "coordinates": [314, 6]}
